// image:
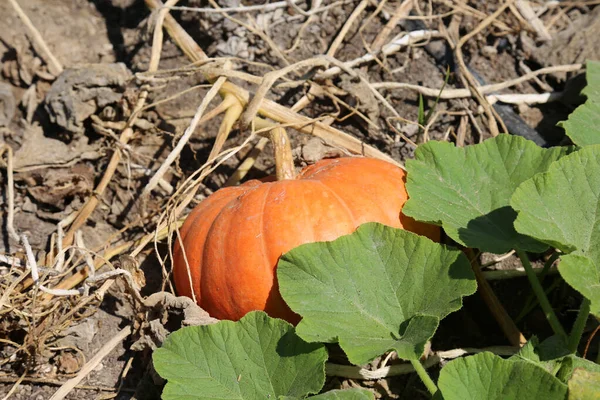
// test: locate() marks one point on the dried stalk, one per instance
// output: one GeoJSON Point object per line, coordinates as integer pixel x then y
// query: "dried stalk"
{"type": "Point", "coordinates": [484, 90]}
{"type": "Point", "coordinates": [268, 81]}
{"type": "Point", "coordinates": [186, 135]}
{"type": "Point", "coordinates": [232, 114]}
{"type": "Point", "coordinates": [69, 385]}
{"type": "Point", "coordinates": [402, 11]}
{"type": "Point", "coordinates": [269, 108]}
{"type": "Point", "coordinates": [125, 136]}
{"type": "Point", "coordinates": [54, 65]}
{"type": "Point", "coordinates": [508, 326]}
{"type": "Point", "coordinates": [532, 19]}
{"type": "Point", "coordinates": [248, 163]}
{"type": "Point", "coordinates": [392, 47]}
{"type": "Point", "coordinates": [10, 192]}
{"type": "Point", "coordinates": [472, 83]}
{"type": "Point", "coordinates": [344, 31]}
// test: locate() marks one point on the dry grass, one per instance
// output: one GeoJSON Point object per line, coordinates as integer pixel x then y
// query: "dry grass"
{"type": "Point", "coordinates": [44, 296]}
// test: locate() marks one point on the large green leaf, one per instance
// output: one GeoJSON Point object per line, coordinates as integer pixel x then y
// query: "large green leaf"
{"type": "Point", "coordinates": [571, 363]}
{"type": "Point", "coordinates": [487, 376]}
{"type": "Point", "coordinates": [467, 190]}
{"type": "Point", "coordinates": [344, 394]}
{"type": "Point", "coordinates": [583, 125]}
{"type": "Point", "coordinates": [592, 75]}
{"type": "Point", "coordinates": [256, 357]}
{"type": "Point", "coordinates": [348, 394]}
{"type": "Point", "coordinates": [539, 355]}
{"type": "Point", "coordinates": [583, 274]}
{"type": "Point", "coordinates": [554, 356]}
{"type": "Point", "coordinates": [584, 385]}
{"type": "Point", "coordinates": [562, 208]}
{"type": "Point", "coordinates": [378, 289]}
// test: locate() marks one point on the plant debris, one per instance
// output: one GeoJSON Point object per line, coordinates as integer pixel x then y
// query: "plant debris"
{"type": "Point", "coordinates": [101, 163]}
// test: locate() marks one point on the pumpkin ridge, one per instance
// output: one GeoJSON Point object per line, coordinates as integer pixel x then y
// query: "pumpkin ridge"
{"type": "Point", "coordinates": [342, 202]}
{"type": "Point", "coordinates": [188, 267]}
{"type": "Point", "coordinates": [205, 252]}
{"type": "Point", "coordinates": [203, 271]}
{"type": "Point", "coordinates": [376, 202]}
{"type": "Point", "coordinates": [319, 167]}
{"type": "Point", "coordinates": [182, 250]}
{"type": "Point", "coordinates": [307, 215]}
{"type": "Point", "coordinates": [262, 224]}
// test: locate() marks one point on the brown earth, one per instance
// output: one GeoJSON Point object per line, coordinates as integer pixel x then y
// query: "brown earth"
{"type": "Point", "coordinates": [63, 132]}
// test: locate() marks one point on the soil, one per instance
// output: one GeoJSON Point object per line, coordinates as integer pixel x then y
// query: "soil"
{"type": "Point", "coordinates": [64, 128]}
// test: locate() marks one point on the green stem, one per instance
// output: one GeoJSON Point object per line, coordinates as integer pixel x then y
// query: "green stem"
{"type": "Point", "coordinates": [541, 296]}
{"type": "Point", "coordinates": [534, 303]}
{"type": "Point", "coordinates": [429, 383]}
{"type": "Point", "coordinates": [579, 325]}
{"type": "Point", "coordinates": [548, 265]}
{"type": "Point", "coordinates": [529, 303]}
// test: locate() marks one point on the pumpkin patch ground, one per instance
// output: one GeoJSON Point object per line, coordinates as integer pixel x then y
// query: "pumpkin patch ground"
{"type": "Point", "coordinates": [329, 162]}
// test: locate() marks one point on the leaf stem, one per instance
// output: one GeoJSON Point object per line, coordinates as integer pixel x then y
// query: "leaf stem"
{"type": "Point", "coordinates": [529, 303]}
{"type": "Point", "coordinates": [541, 296]}
{"type": "Point", "coordinates": [534, 303]}
{"type": "Point", "coordinates": [579, 325]}
{"type": "Point", "coordinates": [429, 383]}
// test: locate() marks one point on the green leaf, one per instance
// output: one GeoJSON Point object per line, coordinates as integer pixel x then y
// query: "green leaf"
{"type": "Point", "coordinates": [584, 385]}
{"type": "Point", "coordinates": [583, 125]}
{"type": "Point", "coordinates": [467, 190]}
{"type": "Point", "coordinates": [583, 274]}
{"type": "Point", "coordinates": [552, 348]}
{"type": "Point", "coordinates": [571, 363]}
{"type": "Point", "coordinates": [256, 357]}
{"type": "Point", "coordinates": [344, 394]}
{"type": "Point", "coordinates": [375, 290]}
{"type": "Point", "coordinates": [553, 356]}
{"type": "Point", "coordinates": [487, 376]}
{"type": "Point", "coordinates": [592, 76]}
{"type": "Point", "coordinates": [562, 208]}
{"type": "Point", "coordinates": [534, 352]}
{"type": "Point", "coordinates": [347, 394]}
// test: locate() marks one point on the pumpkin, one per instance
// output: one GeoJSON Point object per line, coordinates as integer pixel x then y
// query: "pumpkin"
{"type": "Point", "coordinates": [233, 239]}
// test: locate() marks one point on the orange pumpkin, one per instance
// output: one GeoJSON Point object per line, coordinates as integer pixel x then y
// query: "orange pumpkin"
{"type": "Point", "coordinates": [234, 238]}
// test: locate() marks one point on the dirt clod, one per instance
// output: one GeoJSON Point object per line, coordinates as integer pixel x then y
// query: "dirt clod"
{"type": "Point", "coordinates": [7, 104]}
{"type": "Point", "coordinates": [39, 151]}
{"type": "Point", "coordinates": [80, 91]}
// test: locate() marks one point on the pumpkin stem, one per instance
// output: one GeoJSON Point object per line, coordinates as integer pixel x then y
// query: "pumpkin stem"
{"type": "Point", "coordinates": [284, 160]}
